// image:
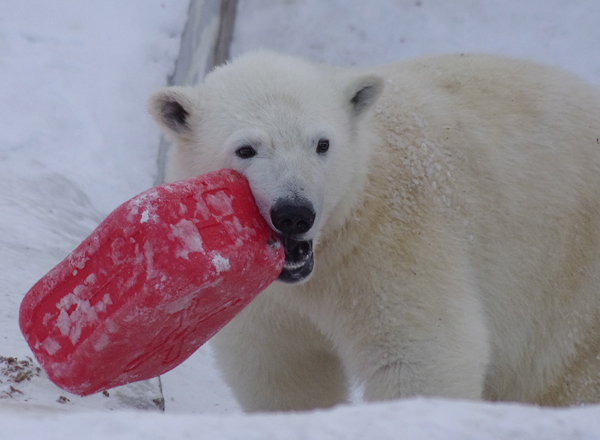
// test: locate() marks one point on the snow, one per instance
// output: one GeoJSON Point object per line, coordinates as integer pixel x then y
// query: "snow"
{"type": "Point", "coordinates": [563, 33]}
{"type": "Point", "coordinates": [410, 419]}
{"type": "Point", "coordinates": [220, 263]}
{"type": "Point", "coordinates": [188, 233]}
{"type": "Point", "coordinates": [76, 141]}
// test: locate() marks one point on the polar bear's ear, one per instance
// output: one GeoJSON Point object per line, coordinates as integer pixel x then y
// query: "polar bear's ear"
{"type": "Point", "coordinates": [363, 92]}
{"type": "Point", "coordinates": [171, 108]}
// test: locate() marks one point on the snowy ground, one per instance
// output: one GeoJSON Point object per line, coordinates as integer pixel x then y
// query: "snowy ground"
{"type": "Point", "coordinates": [564, 33]}
{"type": "Point", "coordinates": [75, 141]}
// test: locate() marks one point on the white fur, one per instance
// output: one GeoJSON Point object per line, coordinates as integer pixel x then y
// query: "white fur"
{"type": "Point", "coordinates": [457, 237]}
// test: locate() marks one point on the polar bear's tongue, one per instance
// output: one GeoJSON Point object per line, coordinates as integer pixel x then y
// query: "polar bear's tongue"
{"type": "Point", "coordinates": [299, 260]}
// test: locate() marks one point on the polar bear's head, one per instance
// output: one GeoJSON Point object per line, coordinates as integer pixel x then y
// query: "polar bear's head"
{"type": "Point", "coordinates": [296, 131]}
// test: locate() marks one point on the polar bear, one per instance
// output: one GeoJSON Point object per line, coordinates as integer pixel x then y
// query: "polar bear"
{"type": "Point", "coordinates": [440, 219]}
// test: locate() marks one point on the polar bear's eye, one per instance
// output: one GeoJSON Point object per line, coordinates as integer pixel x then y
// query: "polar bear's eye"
{"type": "Point", "coordinates": [245, 152]}
{"type": "Point", "coordinates": [322, 146]}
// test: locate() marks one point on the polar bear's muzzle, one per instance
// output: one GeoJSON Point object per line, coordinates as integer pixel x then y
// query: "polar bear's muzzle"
{"type": "Point", "coordinates": [292, 220]}
{"type": "Point", "coordinates": [299, 260]}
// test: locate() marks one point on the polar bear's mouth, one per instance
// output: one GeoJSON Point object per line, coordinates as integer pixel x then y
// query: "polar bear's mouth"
{"type": "Point", "coordinates": [299, 260]}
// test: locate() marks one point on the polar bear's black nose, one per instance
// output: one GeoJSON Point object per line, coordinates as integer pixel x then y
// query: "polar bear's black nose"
{"type": "Point", "coordinates": [293, 219]}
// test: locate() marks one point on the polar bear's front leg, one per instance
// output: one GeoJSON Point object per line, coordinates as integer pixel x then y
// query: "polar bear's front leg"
{"type": "Point", "coordinates": [422, 330]}
{"type": "Point", "coordinates": [276, 360]}
{"type": "Point", "coordinates": [444, 355]}
{"type": "Point", "coordinates": [445, 375]}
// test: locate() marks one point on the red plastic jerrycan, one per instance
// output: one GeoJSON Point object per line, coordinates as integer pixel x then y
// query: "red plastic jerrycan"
{"type": "Point", "coordinates": [158, 277]}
